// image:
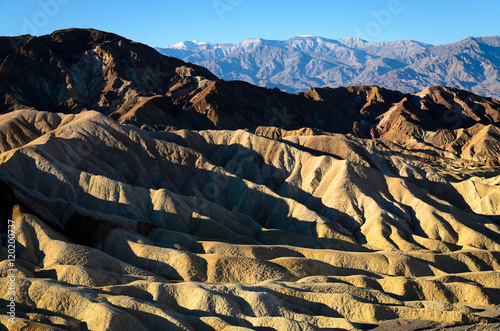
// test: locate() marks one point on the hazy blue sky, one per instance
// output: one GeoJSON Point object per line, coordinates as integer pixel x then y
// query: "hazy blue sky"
{"type": "Point", "coordinates": [162, 23]}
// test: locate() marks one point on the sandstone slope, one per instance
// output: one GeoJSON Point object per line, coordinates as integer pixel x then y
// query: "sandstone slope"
{"type": "Point", "coordinates": [206, 229]}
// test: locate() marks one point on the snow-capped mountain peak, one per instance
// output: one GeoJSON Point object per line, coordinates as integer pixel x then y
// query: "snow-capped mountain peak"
{"type": "Point", "coordinates": [307, 61]}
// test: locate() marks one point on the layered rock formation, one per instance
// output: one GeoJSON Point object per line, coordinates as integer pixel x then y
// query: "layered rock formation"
{"type": "Point", "coordinates": [200, 204]}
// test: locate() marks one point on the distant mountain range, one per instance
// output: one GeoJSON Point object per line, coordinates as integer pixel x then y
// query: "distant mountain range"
{"type": "Point", "coordinates": [301, 62]}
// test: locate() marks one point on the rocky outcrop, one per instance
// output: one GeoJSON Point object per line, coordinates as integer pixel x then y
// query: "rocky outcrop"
{"type": "Point", "coordinates": [73, 69]}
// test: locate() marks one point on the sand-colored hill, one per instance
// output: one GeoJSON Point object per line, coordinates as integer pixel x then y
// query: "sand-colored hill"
{"type": "Point", "coordinates": [119, 228]}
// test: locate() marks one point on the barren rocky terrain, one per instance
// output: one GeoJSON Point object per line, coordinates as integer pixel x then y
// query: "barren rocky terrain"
{"type": "Point", "coordinates": [147, 194]}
